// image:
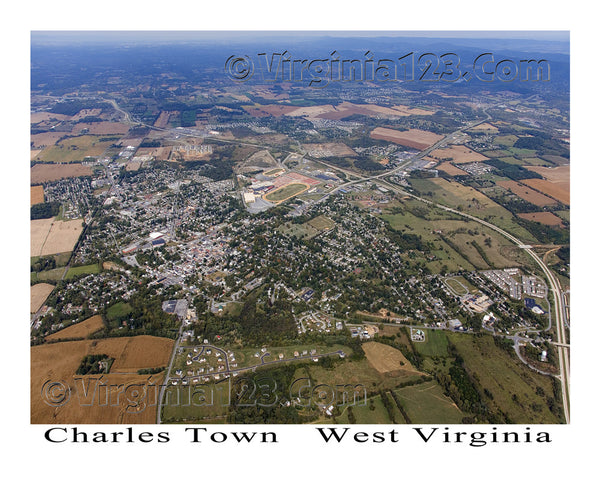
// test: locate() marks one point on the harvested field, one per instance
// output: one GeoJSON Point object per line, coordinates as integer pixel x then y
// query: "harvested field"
{"type": "Point", "coordinates": [266, 110]}
{"type": "Point", "coordinates": [39, 231]}
{"type": "Point", "coordinates": [320, 150]}
{"type": "Point", "coordinates": [450, 169]}
{"type": "Point", "coordinates": [58, 362]}
{"type": "Point", "coordinates": [414, 138]}
{"type": "Point", "coordinates": [384, 358]}
{"type": "Point", "coordinates": [559, 175]}
{"type": "Point", "coordinates": [39, 293]}
{"type": "Point", "coordinates": [38, 117]}
{"type": "Point", "coordinates": [527, 193]}
{"type": "Point", "coordinates": [41, 173]}
{"type": "Point", "coordinates": [159, 153]}
{"type": "Point", "coordinates": [49, 236]}
{"type": "Point", "coordinates": [133, 165]}
{"type": "Point", "coordinates": [41, 140]}
{"type": "Point", "coordinates": [37, 194]}
{"type": "Point", "coordinates": [547, 218]}
{"type": "Point", "coordinates": [311, 112]}
{"type": "Point", "coordinates": [163, 119]}
{"type": "Point", "coordinates": [79, 330]}
{"type": "Point", "coordinates": [485, 127]}
{"type": "Point", "coordinates": [555, 190]}
{"type": "Point", "coordinates": [458, 154]}
{"type": "Point", "coordinates": [101, 128]}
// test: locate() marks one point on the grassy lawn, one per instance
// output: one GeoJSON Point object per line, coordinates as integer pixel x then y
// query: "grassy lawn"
{"type": "Point", "coordinates": [118, 310]}
{"type": "Point", "coordinates": [82, 270]}
{"type": "Point", "coordinates": [435, 344]}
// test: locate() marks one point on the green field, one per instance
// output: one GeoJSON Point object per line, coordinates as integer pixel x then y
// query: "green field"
{"type": "Point", "coordinates": [505, 140]}
{"type": "Point", "coordinates": [426, 404]}
{"type": "Point", "coordinates": [288, 191]}
{"type": "Point", "coordinates": [452, 238]}
{"type": "Point", "coordinates": [54, 274]}
{"type": "Point", "coordinates": [435, 344]}
{"type": "Point", "coordinates": [75, 149]}
{"type": "Point", "coordinates": [82, 270]}
{"type": "Point", "coordinates": [196, 404]}
{"type": "Point", "coordinates": [512, 385]}
{"type": "Point", "coordinates": [309, 229]}
{"type": "Point", "coordinates": [118, 310]}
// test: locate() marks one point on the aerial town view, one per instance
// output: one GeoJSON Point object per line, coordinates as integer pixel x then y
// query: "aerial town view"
{"type": "Point", "coordinates": [263, 230]}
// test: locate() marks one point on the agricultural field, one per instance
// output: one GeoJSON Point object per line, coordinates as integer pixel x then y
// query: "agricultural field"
{"type": "Point", "coordinates": [78, 330]}
{"type": "Point", "coordinates": [39, 293]}
{"type": "Point", "coordinates": [470, 201]}
{"type": "Point", "coordinates": [450, 169]}
{"type": "Point", "coordinates": [75, 149]}
{"type": "Point", "coordinates": [288, 191]}
{"type": "Point", "coordinates": [546, 218]}
{"type": "Point", "coordinates": [101, 128]}
{"type": "Point", "coordinates": [414, 138]}
{"type": "Point", "coordinates": [458, 154]}
{"type": "Point", "coordinates": [527, 193]}
{"type": "Point", "coordinates": [41, 173]}
{"type": "Point", "coordinates": [386, 359]}
{"type": "Point", "coordinates": [37, 194]}
{"type": "Point", "coordinates": [53, 275]}
{"type": "Point", "coordinates": [485, 127]}
{"type": "Point", "coordinates": [512, 385]}
{"type": "Point", "coordinates": [558, 191]}
{"type": "Point", "coordinates": [59, 361]}
{"type": "Point", "coordinates": [322, 150]}
{"type": "Point", "coordinates": [50, 236]}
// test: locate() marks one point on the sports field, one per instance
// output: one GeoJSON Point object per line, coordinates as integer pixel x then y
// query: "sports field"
{"type": "Point", "coordinates": [288, 191]}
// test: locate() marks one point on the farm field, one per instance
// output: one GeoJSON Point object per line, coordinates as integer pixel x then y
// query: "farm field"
{"type": "Point", "coordinates": [59, 362]}
{"type": "Point", "coordinates": [46, 139]}
{"type": "Point", "coordinates": [39, 293]}
{"type": "Point", "coordinates": [101, 128]}
{"type": "Point", "coordinates": [78, 330]}
{"type": "Point", "coordinates": [503, 375]}
{"type": "Point", "coordinates": [75, 149]}
{"type": "Point", "coordinates": [288, 191]}
{"type": "Point", "coordinates": [41, 173]}
{"type": "Point", "coordinates": [50, 236]}
{"type": "Point", "coordinates": [452, 248]}
{"type": "Point", "coordinates": [414, 138]}
{"type": "Point", "coordinates": [321, 150]}
{"type": "Point", "coordinates": [527, 193]}
{"type": "Point", "coordinates": [426, 403]}
{"type": "Point", "coordinates": [48, 275]}
{"type": "Point", "coordinates": [458, 154]}
{"type": "Point", "coordinates": [485, 127]}
{"type": "Point", "coordinates": [386, 359]}
{"type": "Point", "coordinates": [546, 218]}
{"type": "Point", "coordinates": [37, 194]}
{"type": "Point", "coordinates": [471, 201]}
{"type": "Point", "coordinates": [558, 191]}
{"type": "Point", "coordinates": [450, 169]}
